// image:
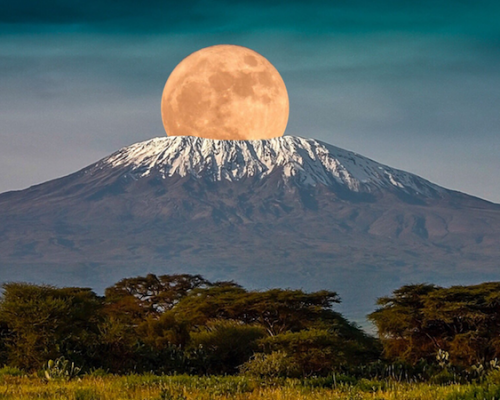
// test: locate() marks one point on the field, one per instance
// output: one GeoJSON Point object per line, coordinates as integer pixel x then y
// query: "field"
{"type": "Point", "coordinates": [151, 387]}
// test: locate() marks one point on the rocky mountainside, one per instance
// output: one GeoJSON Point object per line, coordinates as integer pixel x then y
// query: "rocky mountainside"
{"type": "Point", "coordinates": [287, 212]}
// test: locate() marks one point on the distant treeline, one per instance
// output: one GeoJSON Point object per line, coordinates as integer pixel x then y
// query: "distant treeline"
{"type": "Point", "coordinates": [186, 324]}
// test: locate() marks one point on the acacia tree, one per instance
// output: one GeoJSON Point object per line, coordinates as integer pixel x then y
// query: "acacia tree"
{"type": "Point", "coordinates": [468, 318]}
{"type": "Point", "coordinates": [401, 325]}
{"type": "Point", "coordinates": [173, 323]}
{"type": "Point", "coordinates": [277, 310]}
{"type": "Point", "coordinates": [137, 326]}
{"type": "Point", "coordinates": [151, 295]}
{"type": "Point", "coordinates": [419, 320]}
{"type": "Point", "coordinates": [302, 326]}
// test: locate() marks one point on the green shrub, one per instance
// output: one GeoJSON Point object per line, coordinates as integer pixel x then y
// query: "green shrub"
{"type": "Point", "coordinates": [224, 345]}
{"type": "Point", "coordinates": [11, 371]}
{"type": "Point", "coordinates": [317, 352]}
{"type": "Point", "coordinates": [445, 377]}
{"type": "Point", "coordinates": [370, 386]}
{"type": "Point", "coordinates": [493, 377]}
{"type": "Point", "coordinates": [97, 372]}
{"type": "Point", "coordinates": [274, 365]}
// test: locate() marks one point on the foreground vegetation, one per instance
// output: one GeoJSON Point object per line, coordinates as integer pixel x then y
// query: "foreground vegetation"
{"type": "Point", "coordinates": [151, 387]}
{"type": "Point", "coordinates": [177, 324]}
{"type": "Point", "coordinates": [182, 337]}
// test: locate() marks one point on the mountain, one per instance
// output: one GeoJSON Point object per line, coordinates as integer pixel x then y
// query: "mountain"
{"type": "Point", "coordinates": [287, 212]}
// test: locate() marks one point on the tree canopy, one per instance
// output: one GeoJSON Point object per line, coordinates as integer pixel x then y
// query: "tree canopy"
{"type": "Point", "coordinates": [175, 323]}
{"type": "Point", "coordinates": [187, 324]}
{"type": "Point", "coordinates": [419, 320]}
{"type": "Point", "coordinates": [45, 322]}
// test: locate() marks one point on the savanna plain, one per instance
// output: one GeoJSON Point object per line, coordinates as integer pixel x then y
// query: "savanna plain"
{"type": "Point", "coordinates": [152, 387]}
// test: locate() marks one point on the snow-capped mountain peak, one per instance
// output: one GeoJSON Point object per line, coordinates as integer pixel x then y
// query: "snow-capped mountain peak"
{"type": "Point", "coordinates": [307, 162]}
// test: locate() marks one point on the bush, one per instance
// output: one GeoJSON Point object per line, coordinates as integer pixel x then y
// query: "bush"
{"type": "Point", "coordinates": [445, 377]}
{"type": "Point", "coordinates": [224, 345]}
{"type": "Point", "coordinates": [493, 377]}
{"type": "Point", "coordinates": [275, 365]}
{"type": "Point", "coordinates": [11, 371]}
{"type": "Point", "coordinates": [317, 352]}
{"type": "Point", "coordinates": [97, 372]}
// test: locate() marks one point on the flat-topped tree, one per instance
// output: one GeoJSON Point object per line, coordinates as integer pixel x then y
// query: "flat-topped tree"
{"type": "Point", "coordinates": [419, 320]}
{"type": "Point", "coordinates": [151, 295]}
{"type": "Point", "coordinates": [277, 310]}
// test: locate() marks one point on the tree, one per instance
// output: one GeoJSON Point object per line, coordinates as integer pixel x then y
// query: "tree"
{"type": "Point", "coordinates": [163, 332]}
{"type": "Point", "coordinates": [45, 322]}
{"type": "Point", "coordinates": [401, 325]}
{"type": "Point", "coordinates": [151, 295]}
{"type": "Point", "coordinates": [468, 318]}
{"type": "Point", "coordinates": [277, 310]}
{"type": "Point", "coordinates": [419, 320]}
{"type": "Point", "coordinates": [116, 346]}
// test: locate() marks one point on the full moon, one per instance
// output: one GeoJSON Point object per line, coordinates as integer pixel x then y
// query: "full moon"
{"type": "Point", "coordinates": [225, 92]}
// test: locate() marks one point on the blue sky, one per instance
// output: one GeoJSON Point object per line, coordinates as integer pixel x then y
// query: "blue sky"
{"type": "Point", "coordinates": [415, 85]}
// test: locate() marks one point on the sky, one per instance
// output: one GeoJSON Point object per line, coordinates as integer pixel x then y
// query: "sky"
{"type": "Point", "coordinates": [411, 84]}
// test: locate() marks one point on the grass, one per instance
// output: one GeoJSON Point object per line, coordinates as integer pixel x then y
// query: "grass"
{"type": "Point", "coordinates": [152, 387]}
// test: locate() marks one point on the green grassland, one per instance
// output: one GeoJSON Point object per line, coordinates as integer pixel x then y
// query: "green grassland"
{"type": "Point", "coordinates": [151, 387]}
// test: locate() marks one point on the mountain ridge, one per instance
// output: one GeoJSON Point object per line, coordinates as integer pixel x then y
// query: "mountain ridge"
{"type": "Point", "coordinates": [309, 160]}
{"type": "Point", "coordinates": [287, 212]}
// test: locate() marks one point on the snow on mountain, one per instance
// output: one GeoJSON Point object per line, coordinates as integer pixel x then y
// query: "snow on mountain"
{"type": "Point", "coordinates": [307, 162]}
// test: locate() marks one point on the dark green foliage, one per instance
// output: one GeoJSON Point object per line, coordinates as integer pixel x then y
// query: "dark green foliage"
{"type": "Point", "coordinates": [177, 324]}
{"type": "Point", "coordinates": [116, 346]}
{"type": "Point", "coordinates": [184, 324]}
{"type": "Point", "coordinates": [400, 322]}
{"type": "Point", "coordinates": [226, 344]}
{"type": "Point", "coordinates": [276, 364]}
{"type": "Point", "coordinates": [321, 351]}
{"type": "Point", "coordinates": [137, 298]}
{"type": "Point", "coordinates": [11, 371]}
{"type": "Point", "coordinates": [419, 320]}
{"type": "Point", "coordinates": [277, 310]}
{"type": "Point", "coordinates": [46, 323]}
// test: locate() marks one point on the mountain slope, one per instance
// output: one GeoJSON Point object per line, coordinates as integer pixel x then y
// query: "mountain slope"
{"type": "Point", "coordinates": [281, 212]}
